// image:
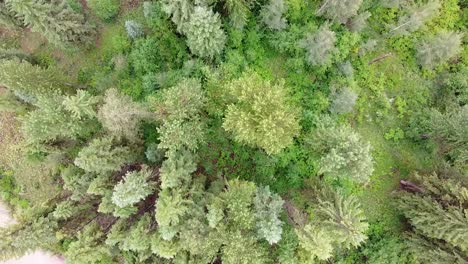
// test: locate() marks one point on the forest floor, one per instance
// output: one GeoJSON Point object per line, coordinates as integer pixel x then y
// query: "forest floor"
{"type": "Point", "coordinates": [37, 257]}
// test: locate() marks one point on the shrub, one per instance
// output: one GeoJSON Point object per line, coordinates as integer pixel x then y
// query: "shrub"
{"type": "Point", "coordinates": [105, 9]}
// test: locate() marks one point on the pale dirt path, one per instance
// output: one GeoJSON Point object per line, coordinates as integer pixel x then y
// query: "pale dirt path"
{"type": "Point", "coordinates": [38, 257]}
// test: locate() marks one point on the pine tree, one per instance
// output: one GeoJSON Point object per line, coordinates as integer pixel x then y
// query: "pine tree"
{"type": "Point", "coordinates": [28, 81]}
{"type": "Point", "coordinates": [320, 46]}
{"type": "Point", "coordinates": [8, 18]}
{"type": "Point", "coordinates": [268, 207]}
{"type": "Point", "coordinates": [205, 37]}
{"type": "Point", "coordinates": [272, 14]}
{"type": "Point", "coordinates": [170, 208]}
{"type": "Point", "coordinates": [133, 188]}
{"type": "Point", "coordinates": [103, 156]}
{"type": "Point", "coordinates": [339, 10]}
{"type": "Point", "coordinates": [88, 249]}
{"type": "Point", "coordinates": [416, 18]}
{"type": "Point", "coordinates": [262, 115]}
{"type": "Point", "coordinates": [439, 49]}
{"type": "Point", "coordinates": [344, 152]}
{"type": "Point", "coordinates": [121, 116]}
{"type": "Point", "coordinates": [54, 19]}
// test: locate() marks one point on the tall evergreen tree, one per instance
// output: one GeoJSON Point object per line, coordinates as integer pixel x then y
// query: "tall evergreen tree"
{"type": "Point", "coordinates": [133, 188]}
{"type": "Point", "coordinates": [339, 10]}
{"type": "Point", "coordinates": [28, 81]}
{"type": "Point", "coordinates": [319, 46]}
{"type": "Point", "coordinates": [439, 211]}
{"type": "Point", "coordinates": [52, 18]}
{"type": "Point", "coordinates": [261, 115]}
{"type": "Point", "coordinates": [416, 18]}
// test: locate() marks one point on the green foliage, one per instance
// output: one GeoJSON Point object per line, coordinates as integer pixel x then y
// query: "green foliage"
{"type": "Point", "coordinates": [20, 239]}
{"type": "Point", "coordinates": [121, 116]}
{"type": "Point", "coordinates": [262, 115]}
{"type": "Point", "coordinates": [339, 10]}
{"type": "Point", "coordinates": [272, 14]}
{"type": "Point", "coordinates": [103, 156]}
{"type": "Point", "coordinates": [88, 248]}
{"type": "Point", "coordinates": [179, 108]}
{"type": "Point", "coordinates": [439, 49]}
{"type": "Point", "coordinates": [133, 188]}
{"type": "Point", "coordinates": [205, 37]}
{"type": "Point", "coordinates": [51, 122]}
{"type": "Point", "coordinates": [450, 129]}
{"type": "Point", "coordinates": [82, 105]}
{"type": "Point", "coordinates": [342, 216]}
{"type": "Point", "coordinates": [344, 153]}
{"type": "Point", "coordinates": [163, 51]}
{"type": "Point", "coordinates": [105, 9]}
{"type": "Point", "coordinates": [28, 81]}
{"type": "Point", "coordinates": [320, 46]}
{"type": "Point", "coordinates": [177, 169]}
{"type": "Point", "coordinates": [439, 212]}
{"type": "Point", "coordinates": [53, 19]}
{"type": "Point", "coordinates": [170, 208]}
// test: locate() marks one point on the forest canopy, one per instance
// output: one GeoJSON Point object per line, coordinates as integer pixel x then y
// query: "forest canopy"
{"type": "Point", "coordinates": [235, 131]}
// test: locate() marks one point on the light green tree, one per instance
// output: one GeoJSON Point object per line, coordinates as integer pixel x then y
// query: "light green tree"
{"type": "Point", "coordinates": [320, 46]}
{"type": "Point", "coordinates": [272, 14]}
{"type": "Point", "coordinates": [103, 156]}
{"type": "Point", "coordinates": [133, 188]}
{"type": "Point", "coordinates": [268, 207]}
{"type": "Point", "coordinates": [262, 115]}
{"type": "Point", "coordinates": [344, 153]}
{"type": "Point", "coordinates": [415, 18]}
{"type": "Point", "coordinates": [28, 81]}
{"type": "Point", "coordinates": [53, 19]}
{"type": "Point", "coordinates": [205, 37]}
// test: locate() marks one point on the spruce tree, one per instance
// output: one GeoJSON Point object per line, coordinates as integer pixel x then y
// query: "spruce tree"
{"type": "Point", "coordinates": [180, 12]}
{"type": "Point", "coordinates": [316, 241]}
{"type": "Point", "coordinates": [205, 37]}
{"type": "Point", "coordinates": [133, 188]}
{"type": "Point", "coordinates": [239, 10]}
{"type": "Point", "coordinates": [261, 115]}
{"type": "Point", "coordinates": [103, 156]}
{"type": "Point", "coordinates": [439, 212]}
{"type": "Point", "coordinates": [343, 101]}
{"type": "Point", "coordinates": [268, 207]}
{"type": "Point", "coordinates": [53, 19]}
{"type": "Point", "coordinates": [344, 153]}
{"type": "Point", "coordinates": [179, 109]}
{"type": "Point", "coordinates": [28, 81]}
